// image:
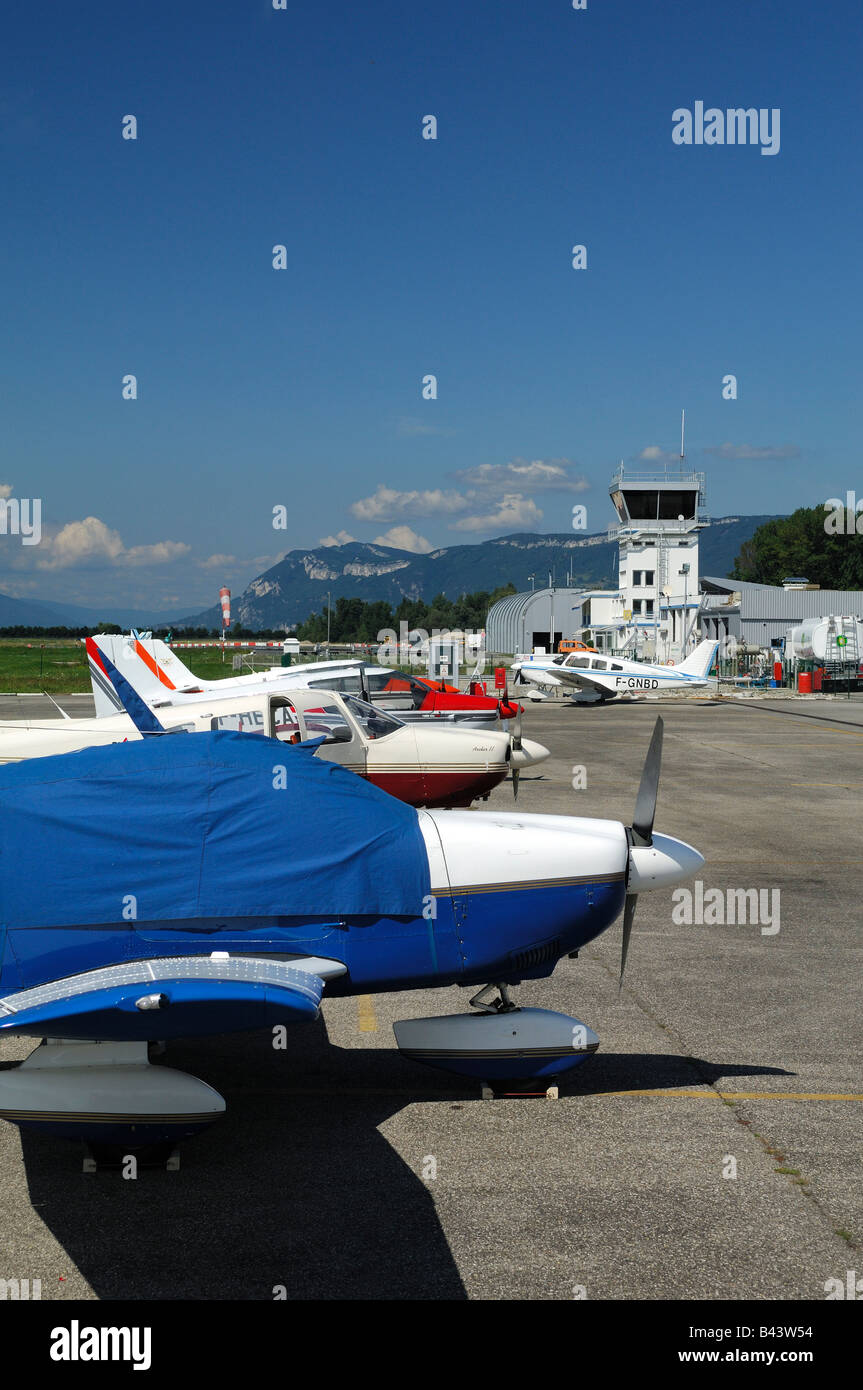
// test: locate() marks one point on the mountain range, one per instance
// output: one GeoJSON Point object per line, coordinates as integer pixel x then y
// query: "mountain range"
{"type": "Point", "coordinates": [301, 581]}
{"type": "Point", "coordinates": [25, 612]}
{"type": "Point", "coordinates": [299, 584]}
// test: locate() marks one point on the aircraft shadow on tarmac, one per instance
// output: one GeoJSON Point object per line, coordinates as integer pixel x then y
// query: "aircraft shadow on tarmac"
{"type": "Point", "coordinates": [648, 1071]}
{"type": "Point", "coordinates": [295, 1187]}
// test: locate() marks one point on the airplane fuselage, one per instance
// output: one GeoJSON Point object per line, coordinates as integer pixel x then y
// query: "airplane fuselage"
{"type": "Point", "coordinates": [607, 677]}
{"type": "Point", "coordinates": [510, 894]}
{"type": "Point", "coordinates": [418, 764]}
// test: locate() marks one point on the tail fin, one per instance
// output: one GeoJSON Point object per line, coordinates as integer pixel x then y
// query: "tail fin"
{"type": "Point", "coordinates": [166, 666]}
{"type": "Point", "coordinates": [106, 698]}
{"type": "Point", "coordinates": [699, 662]}
{"type": "Point", "coordinates": [149, 666]}
{"type": "Point", "coordinates": [137, 709]}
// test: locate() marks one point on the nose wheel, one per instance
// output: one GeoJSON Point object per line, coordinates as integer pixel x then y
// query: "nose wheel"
{"type": "Point", "coordinates": [484, 1004]}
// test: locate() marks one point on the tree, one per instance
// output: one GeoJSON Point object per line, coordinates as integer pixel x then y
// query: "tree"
{"type": "Point", "coordinates": [799, 545]}
{"type": "Point", "coordinates": [355, 620]}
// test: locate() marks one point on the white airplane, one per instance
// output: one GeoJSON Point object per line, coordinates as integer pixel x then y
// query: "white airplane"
{"type": "Point", "coordinates": [159, 676]}
{"type": "Point", "coordinates": [424, 766]}
{"type": "Point", "coordinates": [609, 676]}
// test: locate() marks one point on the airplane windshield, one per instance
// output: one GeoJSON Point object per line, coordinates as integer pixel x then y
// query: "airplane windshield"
{"type": "Point", "coordinates": [396, 689]}
{"type": "Point", "coordinates": [326, 719]}
{"type": "Point", "coordinates": [374, 722]}
{"type": "Point", "coordinates": [349, 684]}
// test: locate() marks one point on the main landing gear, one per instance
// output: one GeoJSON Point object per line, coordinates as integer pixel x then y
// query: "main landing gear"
{"type": "Point", "coordinates": [502, 1005]}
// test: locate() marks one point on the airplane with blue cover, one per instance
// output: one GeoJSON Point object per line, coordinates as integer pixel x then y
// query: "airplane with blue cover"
{"type": "Point", "coordinates": [605, 677]}
{"type": "Point", "coordinates": [179, 887]}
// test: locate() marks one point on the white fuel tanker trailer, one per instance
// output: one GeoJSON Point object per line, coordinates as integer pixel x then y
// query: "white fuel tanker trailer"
{"type": "Point", "coordinates": [834, 638]}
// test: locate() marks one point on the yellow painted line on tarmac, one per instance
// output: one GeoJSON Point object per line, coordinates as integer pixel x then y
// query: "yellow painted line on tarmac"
{"type": "Point", "coordinates": [789, 1095]}
{"type": "Point", "coordinates": [366, 1017]}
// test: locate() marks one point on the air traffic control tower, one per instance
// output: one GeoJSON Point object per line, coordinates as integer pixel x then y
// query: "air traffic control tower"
{"type": "Point", "coordinates": [659, 515]}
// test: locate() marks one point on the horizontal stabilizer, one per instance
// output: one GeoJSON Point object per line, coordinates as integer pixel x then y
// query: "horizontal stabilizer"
{"type": "Point", "coordinates": [538, 677]}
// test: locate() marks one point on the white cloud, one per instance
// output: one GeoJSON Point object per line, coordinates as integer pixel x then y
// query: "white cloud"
{"type": "Point", "coordinates": [513, 513]}
{"type": "Point", "coordinates": [494, 496]}
{"type": "Point", "coordinates": [91, 541]}
{"type": "Point", "coordinates": [162, 553]}
{"type": "Point", "coordinates": [653, 454]}
{"type": "Point", "coordinates": [340, 538]}
{"type": "Point", "coordinates": [549, 475]}
{"type": "Point", "coordinates": [403, 538]}
{"type": "Point", "coordinates": [79, 541]}
{"type": "Point", "coordinates": [218, 562]}
{"type": "Point", "coordinates": [5, 490]}
{"type": "Point", "coordinates": [388, 504]}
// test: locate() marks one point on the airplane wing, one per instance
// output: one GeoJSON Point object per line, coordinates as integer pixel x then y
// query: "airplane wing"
{"type": "Point", "coordinates": [572, 677]}
{"type": "Point", "coordinates": [170, 997]}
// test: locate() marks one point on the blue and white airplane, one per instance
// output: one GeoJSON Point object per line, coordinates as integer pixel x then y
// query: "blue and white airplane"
{"type": "Point", "coordinates": [609, 676]}
{"type": "Point", "coordinates": [175, 888]}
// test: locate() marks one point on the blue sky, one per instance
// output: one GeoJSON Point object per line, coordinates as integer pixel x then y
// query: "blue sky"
{"type": "Point", "coordinates": [405, 256]}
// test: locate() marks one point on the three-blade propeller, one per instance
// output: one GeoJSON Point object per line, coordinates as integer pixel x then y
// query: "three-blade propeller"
{"type": "Point", "coordinates": [641, 830]}
{"type": "Point", "coordinates": [515, 744]}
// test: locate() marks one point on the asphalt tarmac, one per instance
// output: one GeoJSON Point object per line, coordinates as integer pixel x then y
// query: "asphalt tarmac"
{"type": "Point", "coordinates": [712, 1148]}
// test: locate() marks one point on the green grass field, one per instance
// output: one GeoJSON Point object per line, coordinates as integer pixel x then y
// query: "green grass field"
{"type": "Point", "coordinates": [56, 666]}
{"type": "Point", "coordinates": [61, 667]}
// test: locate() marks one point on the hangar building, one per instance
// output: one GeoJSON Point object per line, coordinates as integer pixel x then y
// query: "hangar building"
{"type": "Point", "coordinates": [537, 618]}
{"type": "Point", "coordinates": [757, 614]}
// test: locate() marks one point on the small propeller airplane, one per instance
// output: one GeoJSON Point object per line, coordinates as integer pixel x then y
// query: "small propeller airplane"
{"type": "Point", "coordinates": [169, 889]}
{"type": "Point", "coordinates": [161, 678]}
{"type": "Point", "coordinates": [449, 766]}
{"type": "Point", "coordinates": [607, 677]}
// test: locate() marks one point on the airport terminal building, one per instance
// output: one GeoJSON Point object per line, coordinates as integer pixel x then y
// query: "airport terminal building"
{"type": "Point", "coordinates": [652, 613]}
{"type": "Point", "coordinates": [662, 606]}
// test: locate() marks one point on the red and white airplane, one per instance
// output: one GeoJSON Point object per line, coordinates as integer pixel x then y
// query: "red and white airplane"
{"type": "Point", "coordinates": [159, 676]}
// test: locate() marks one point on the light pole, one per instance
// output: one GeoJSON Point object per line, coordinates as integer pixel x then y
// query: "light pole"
{"type": "Point", "coordinates": [551, 634]}
{"type": "Point", "coordinates": [329, 601]}
{"type": "Point", "coordinates": [684, 570]}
